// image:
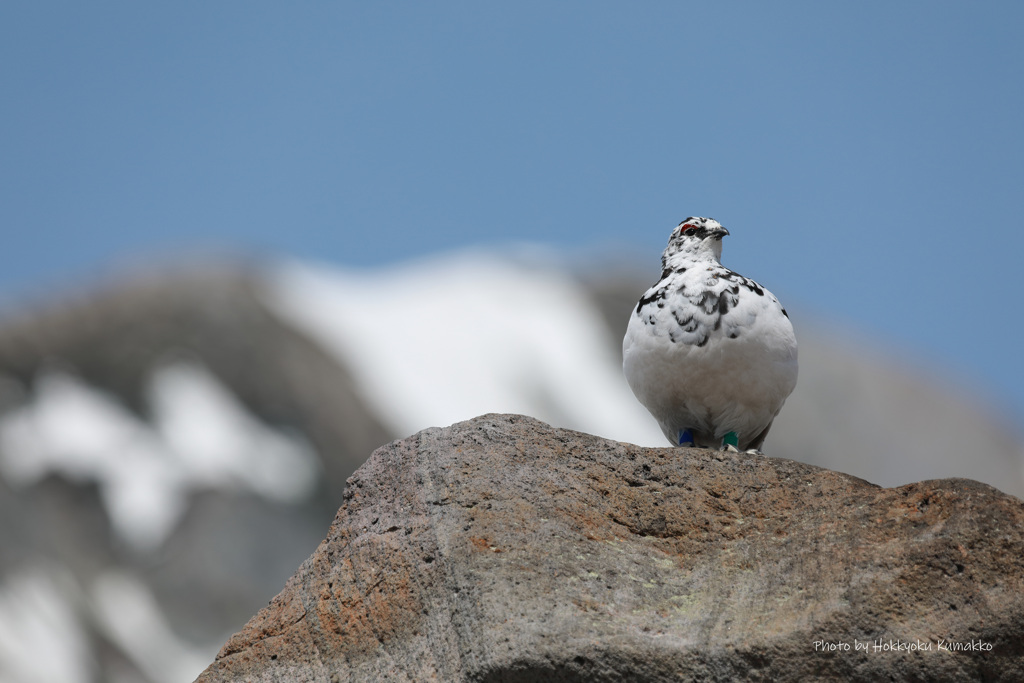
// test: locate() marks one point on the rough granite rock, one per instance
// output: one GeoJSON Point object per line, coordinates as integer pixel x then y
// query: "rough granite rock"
{"type": "Point", "coordinates": [502, 549]}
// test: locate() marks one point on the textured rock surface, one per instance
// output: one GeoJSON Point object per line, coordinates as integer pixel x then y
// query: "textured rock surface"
{"type": "Point", "coordinates": [501, 549]}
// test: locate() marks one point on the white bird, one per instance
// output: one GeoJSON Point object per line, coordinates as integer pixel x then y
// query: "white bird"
{"type": "Point", "coordinates": [711, 354]}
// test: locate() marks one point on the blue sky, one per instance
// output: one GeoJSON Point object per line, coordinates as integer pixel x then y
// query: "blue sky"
{"type": "Point", "coordinates": [867, 157]}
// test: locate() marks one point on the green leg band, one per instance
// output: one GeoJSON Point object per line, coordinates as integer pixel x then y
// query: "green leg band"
{"type": "Point", "coordinates": [731, 439]}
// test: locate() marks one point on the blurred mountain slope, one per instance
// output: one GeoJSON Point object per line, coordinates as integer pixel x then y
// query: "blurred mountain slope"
{"type": "Point", "coordinates": [201, 379]}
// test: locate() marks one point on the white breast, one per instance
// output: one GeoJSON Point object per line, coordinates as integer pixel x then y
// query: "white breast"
{"type": "Point", "coordinates": [730, 367]}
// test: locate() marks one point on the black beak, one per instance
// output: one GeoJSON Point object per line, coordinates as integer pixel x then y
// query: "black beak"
{"type": "Point", "coordinates": [719, 233]}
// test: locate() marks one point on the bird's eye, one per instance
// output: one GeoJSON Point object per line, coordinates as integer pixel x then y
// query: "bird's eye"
{"type": "Point", "coordinates": [689, 229]}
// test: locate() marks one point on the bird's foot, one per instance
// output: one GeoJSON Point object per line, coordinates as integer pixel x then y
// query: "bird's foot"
{"type": "Point", "coordinates": [753, 451]}
{"type": "Point", "coordinates": [730, 442]}
{"type": "Point", "coordinates": [685, 438]}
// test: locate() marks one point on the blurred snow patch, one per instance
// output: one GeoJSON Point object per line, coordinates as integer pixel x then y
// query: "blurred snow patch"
{"type": "Point", "coordinates": [131, 618]}
{"type": "Point", "coordinates": [41, 638]}
{"type": "Point", "coordinates": [86, 435]}
{"type": "Point", "coordinates": [445, 340]}
{"type": "Point", "coordinates": [219, 443]}
{"type": "Point", "coordinates": [202, 437]}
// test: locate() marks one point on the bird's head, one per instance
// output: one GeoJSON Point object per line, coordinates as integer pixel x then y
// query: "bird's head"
{"type": "Point", "coordinates": [694, 239]}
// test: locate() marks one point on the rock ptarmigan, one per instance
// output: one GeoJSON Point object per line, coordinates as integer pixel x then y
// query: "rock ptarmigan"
{"type": "Point", "coordinates": [711, 354]}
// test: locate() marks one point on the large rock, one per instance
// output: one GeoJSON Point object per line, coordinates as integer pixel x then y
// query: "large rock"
{"type": "Point", "coordinates": [501, 549]}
